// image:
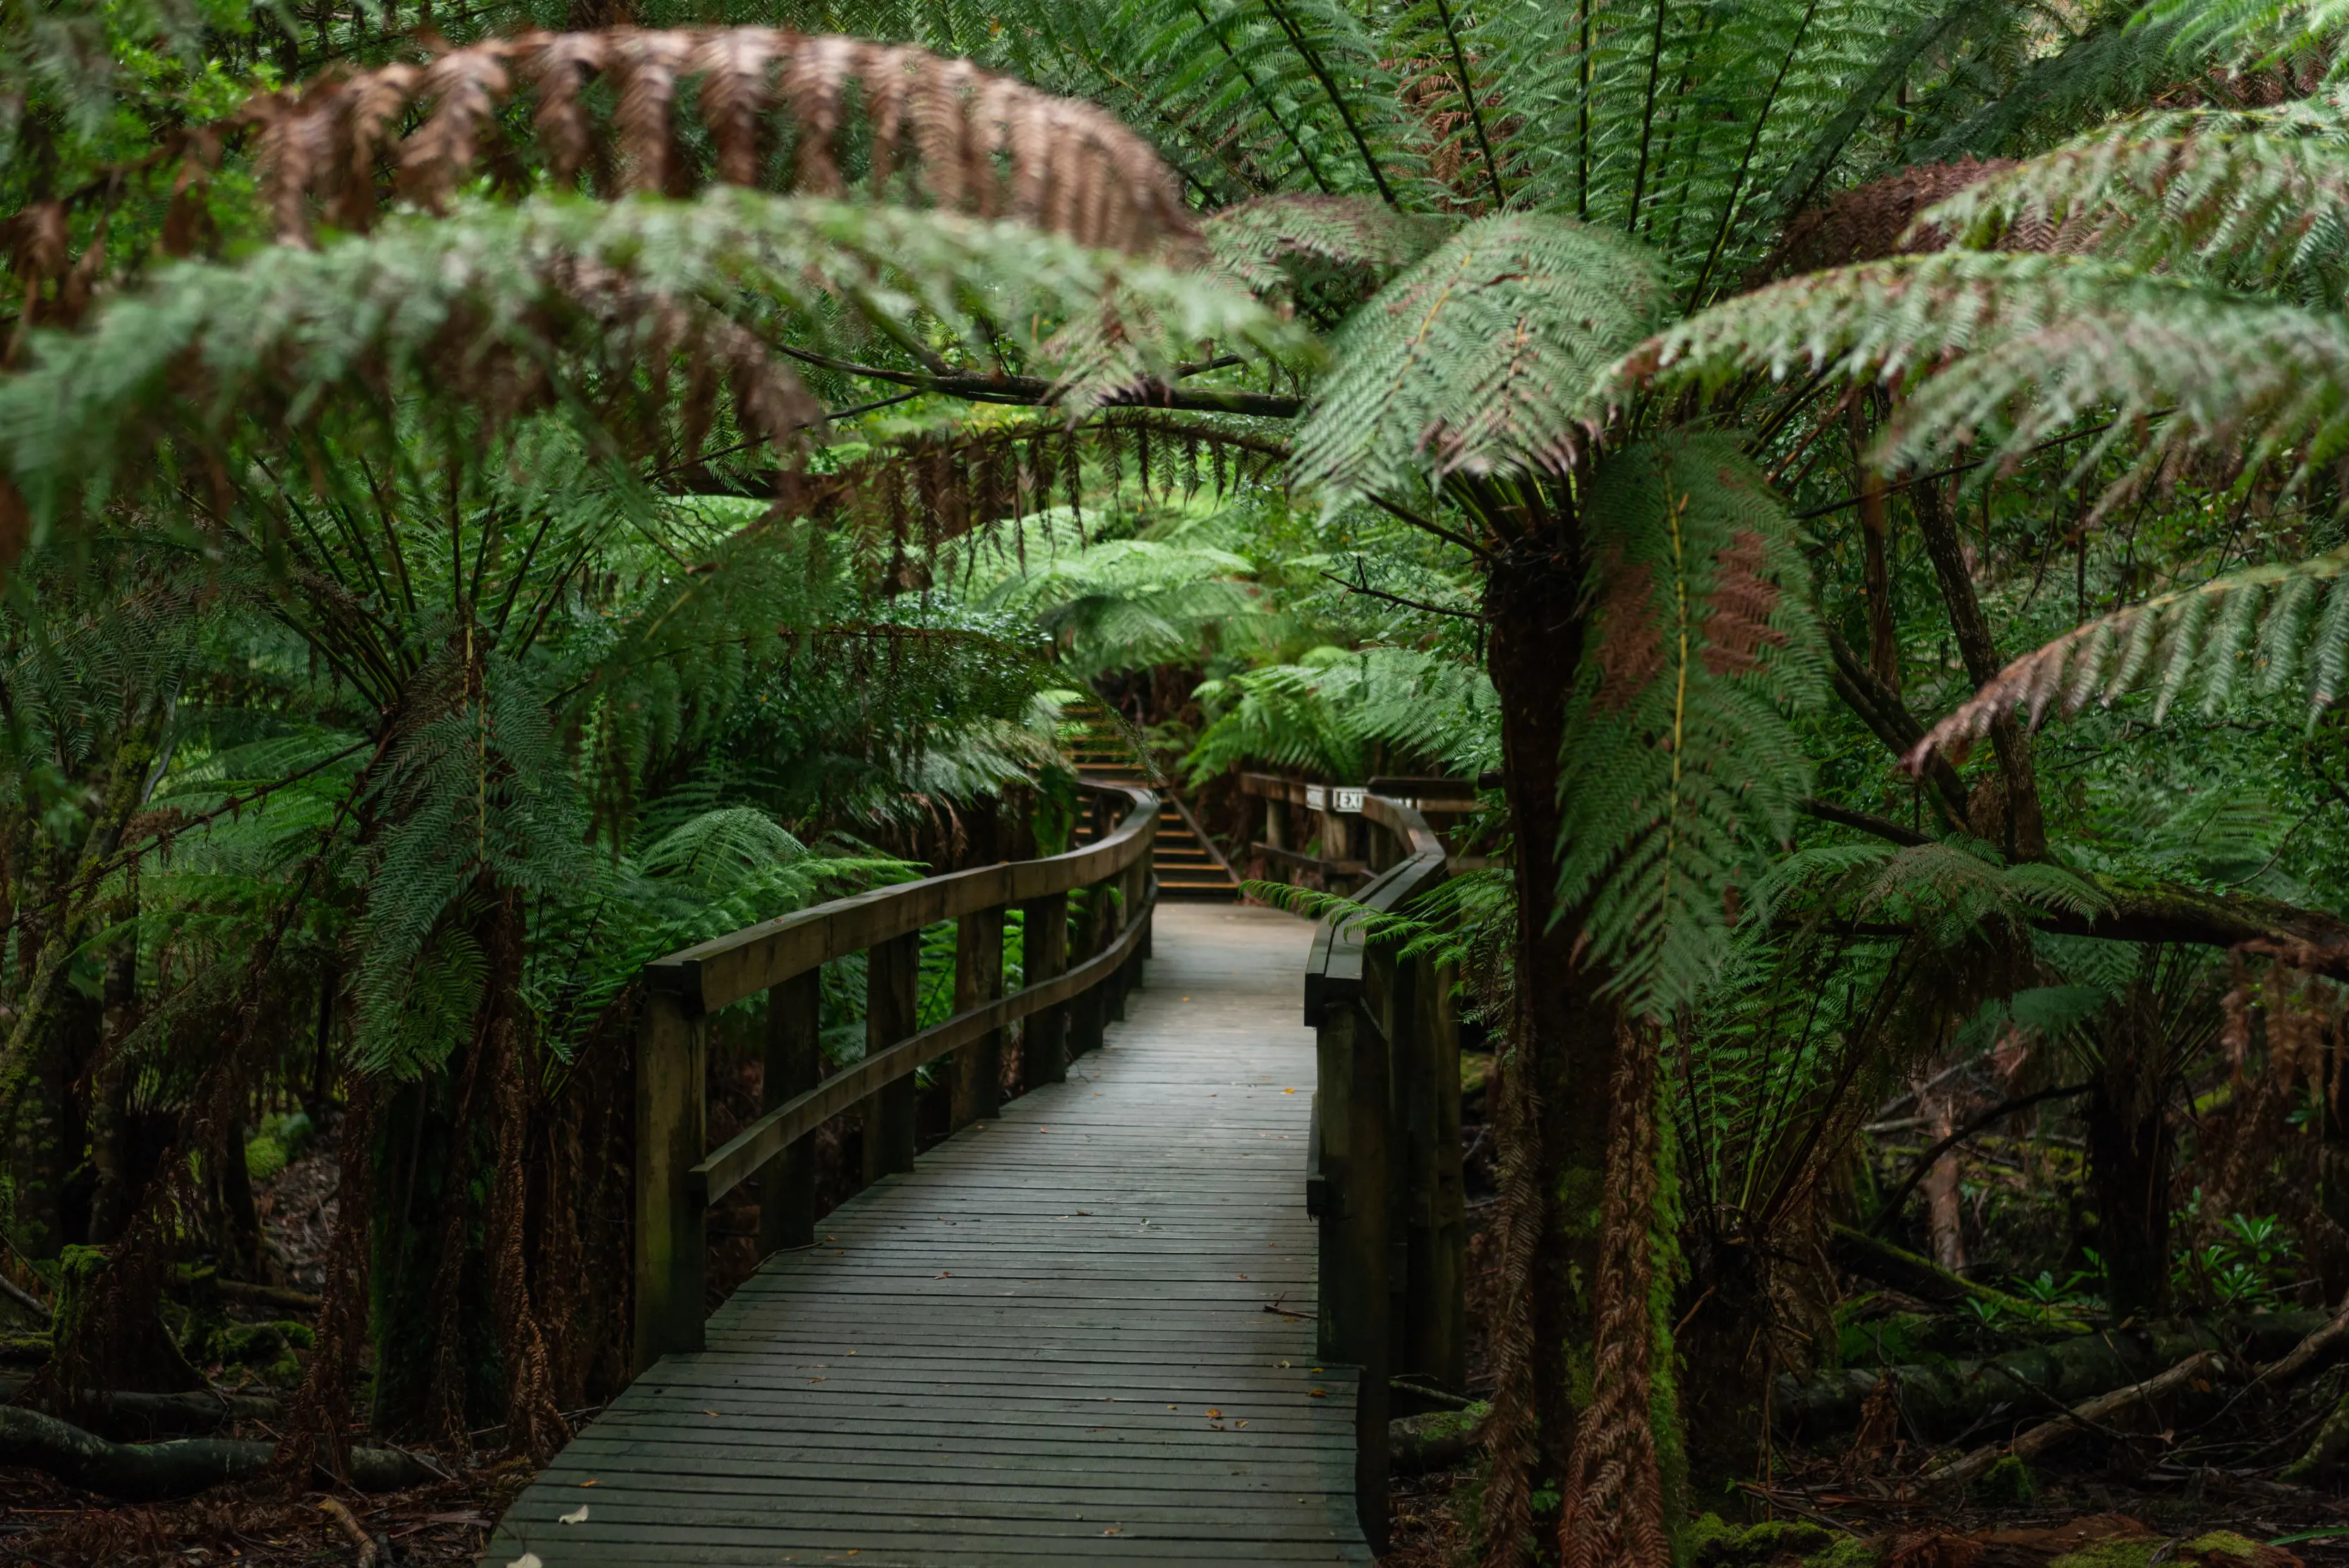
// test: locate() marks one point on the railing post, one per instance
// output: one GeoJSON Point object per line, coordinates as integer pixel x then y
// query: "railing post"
{"type": "Point", "coordinates": [1090, 1009]}
{"type": "Point", "coordinates": [891, 974]}
{"type": "Point", "coordinates": [1355, 1229]}
{"type": "Point", "coordinates": [1429, 1206]}
{"type": "Point", "coordinates": [1044, 955]}
{"type": "Point", "coordinates": [671, 1250]}
{"type": "Point", "coordinates": [787, 1192]}
{"type": "Point", "coordinates": [979, 979]}
{"type": "Point", "coordinates": [1440, 1306]}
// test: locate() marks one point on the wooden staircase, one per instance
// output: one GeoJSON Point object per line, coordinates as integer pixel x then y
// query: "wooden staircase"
{"type": "Point", "coordinates": [1098, 748]}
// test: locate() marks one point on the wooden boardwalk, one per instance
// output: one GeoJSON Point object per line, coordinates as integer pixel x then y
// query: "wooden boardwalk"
{"type": "Point", "coordinates": [1047, 1345]}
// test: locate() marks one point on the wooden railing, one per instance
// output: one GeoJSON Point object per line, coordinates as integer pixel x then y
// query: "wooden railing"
{"type": "Point", "coordinates": [1383, 1165]}
{"type": "Point", "coordinates": [1072, 989]}
{"type": "Point", "coordinates": [1285, 815]}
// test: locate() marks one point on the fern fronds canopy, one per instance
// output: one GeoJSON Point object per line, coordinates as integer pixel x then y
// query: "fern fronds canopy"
{"type": "Point", "coordinates": [557, 303]}
{"type": "Point", "coordinates": [1483, 358]}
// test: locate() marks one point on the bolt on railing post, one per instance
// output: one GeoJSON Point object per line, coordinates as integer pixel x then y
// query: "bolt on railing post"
{"type": "Point", "coordinates": [671, 1250]}
{"type": "Point", "coordinates": [979, 980]}
{"type": "Point", "coordinates": [787, 1190]}
{"type": "Point", "coordinates": [892, 977]}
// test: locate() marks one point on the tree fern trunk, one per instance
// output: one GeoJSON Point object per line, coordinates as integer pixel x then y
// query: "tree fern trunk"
{"type": "Point", "coordinates": [1566, 1035]}
{"type": "Point", "coordinates": [2129, 1162]}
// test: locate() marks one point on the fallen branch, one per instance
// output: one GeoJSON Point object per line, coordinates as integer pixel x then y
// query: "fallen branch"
{"type": "Point", "coordinates": [25, 1298]}
{"type": "Point", "coordinates": [333, 1508]}
{"type": "Point", "coordinates": [148, 1472]}
{"type": "Point", "coordinates": [2090, 1416]}
{"type": "Point", "coordinates": [2286, 1368]}
{"type": "Point", "coordinates": [1943, 1398]}
{"type": "Point", "coordinates": [266, 1295]}
{"type": "Point", "coordinates": [188, 1412]}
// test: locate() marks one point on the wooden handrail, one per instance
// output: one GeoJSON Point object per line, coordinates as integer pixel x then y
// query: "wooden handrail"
{"type": "Point", "coordinates": [739, 1157]}
{"type": "Point", "coordinates": [1383, 1176]}
{"type": "Point", "coordinates": [678, 1177]}
{"type": "Point", "coordinates": [725, 970]}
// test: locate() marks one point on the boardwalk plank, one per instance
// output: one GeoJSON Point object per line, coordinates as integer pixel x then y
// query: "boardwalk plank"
{"type": "Point", "coordinates": [1009, 1356]}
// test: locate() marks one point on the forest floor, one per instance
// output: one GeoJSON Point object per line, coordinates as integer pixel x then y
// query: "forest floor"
{"type": "Point", "coordinates": [1827, 1518]}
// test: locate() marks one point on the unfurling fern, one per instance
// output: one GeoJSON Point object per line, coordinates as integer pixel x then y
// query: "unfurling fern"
{"type": "Point", "coordinates": [1679, 757]}
{"type": "Point", "coordinates": [2270, 628]}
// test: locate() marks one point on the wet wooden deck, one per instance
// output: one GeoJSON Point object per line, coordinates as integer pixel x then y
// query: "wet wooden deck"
{"type": "Point", "coordinates": [1047, 1345]}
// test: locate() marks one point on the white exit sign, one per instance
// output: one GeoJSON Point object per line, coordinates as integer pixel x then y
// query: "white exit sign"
{"type": "Point", "coordinates": [1317, 798]}
{"type": "Point", "coordinates": [1349, 799]}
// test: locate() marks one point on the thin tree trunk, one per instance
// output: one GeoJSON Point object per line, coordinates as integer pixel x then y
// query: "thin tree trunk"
{"type": "Point", "coordinates": [317, 1429]}
{"type": "Point", "coordinates": [66, 924]}
{"type": "Point", "coordinates": [110, 1087]}
{"type": "Point", "coordinates": [2023, 829]}
{"type": "Point", "coordinates": [1944, 1214]}
{"type": "Point", "coordinates": [1876, 569]}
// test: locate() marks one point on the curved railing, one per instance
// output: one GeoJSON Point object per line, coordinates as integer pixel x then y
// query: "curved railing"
{"type": "Point", "coordinates": [1382, 1162]}
{"type": "Point", "coordinates": [1072, 989]}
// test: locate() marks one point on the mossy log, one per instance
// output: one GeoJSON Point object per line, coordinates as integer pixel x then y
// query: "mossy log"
{"type": "Point", "coordinates": [148, 1472]}
{"type": "Point", "coordinates": [1874, 1258]}
{"type": "Point", "coordinates": [1417, 1444]}
{"type": "Point", "coordinates": [1940, 1400]}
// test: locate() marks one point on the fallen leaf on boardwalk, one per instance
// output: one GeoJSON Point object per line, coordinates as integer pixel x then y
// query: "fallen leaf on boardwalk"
{"type": "Point", "coordinates": [710, 1412]}
{"type": "Point", "coordinates": [576, 1516]}
{"type": "Point", "coordinates": [943, 1274]}
{"type": "Point", "coordinates": [527, 1560]}
{"type": "Point", "coordinates": [1110, 1530]}
{"type": "Point", "coordinates": [1212, 1415]}
{"type": "Point", "coordinates": [1241, 1424]}
{"type": "Point", "coordinates": [1319, 1392]}
{"type": "Point", "coordinates": [1288, 1091]}
{"type": "Point", "coordinates": [590, 1481]}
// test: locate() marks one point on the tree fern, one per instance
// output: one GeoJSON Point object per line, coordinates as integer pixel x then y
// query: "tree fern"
{"type": "Point", "coordinates": [1480, 359]}
{"type": "Point", "coordinates": [1679, 756]}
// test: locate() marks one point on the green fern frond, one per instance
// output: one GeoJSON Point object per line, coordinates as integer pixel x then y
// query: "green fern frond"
{"type": "Point", "coordinates": [1280, 245]}
{"type": "Point", "coordinates": [483, 306]}
{"type": "Point", "coordinates": [2283, 625]}
{"type": "Point", "coordinates": [1679, 757]}
{"type": "Point", "coordinates": [2006, 352]}
{"type": "Point", "coordinates": [2253, 199]}
{"type": "Point", "coordinates": [1483, 358]}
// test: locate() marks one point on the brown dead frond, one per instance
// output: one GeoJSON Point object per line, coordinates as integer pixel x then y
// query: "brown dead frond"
{"type": "Point", "coordinates": [1744, 600]}
{"type": "Point", "coordinates": [1879, 219]}
{"type": "Point", "coordinates": [973, 140]}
